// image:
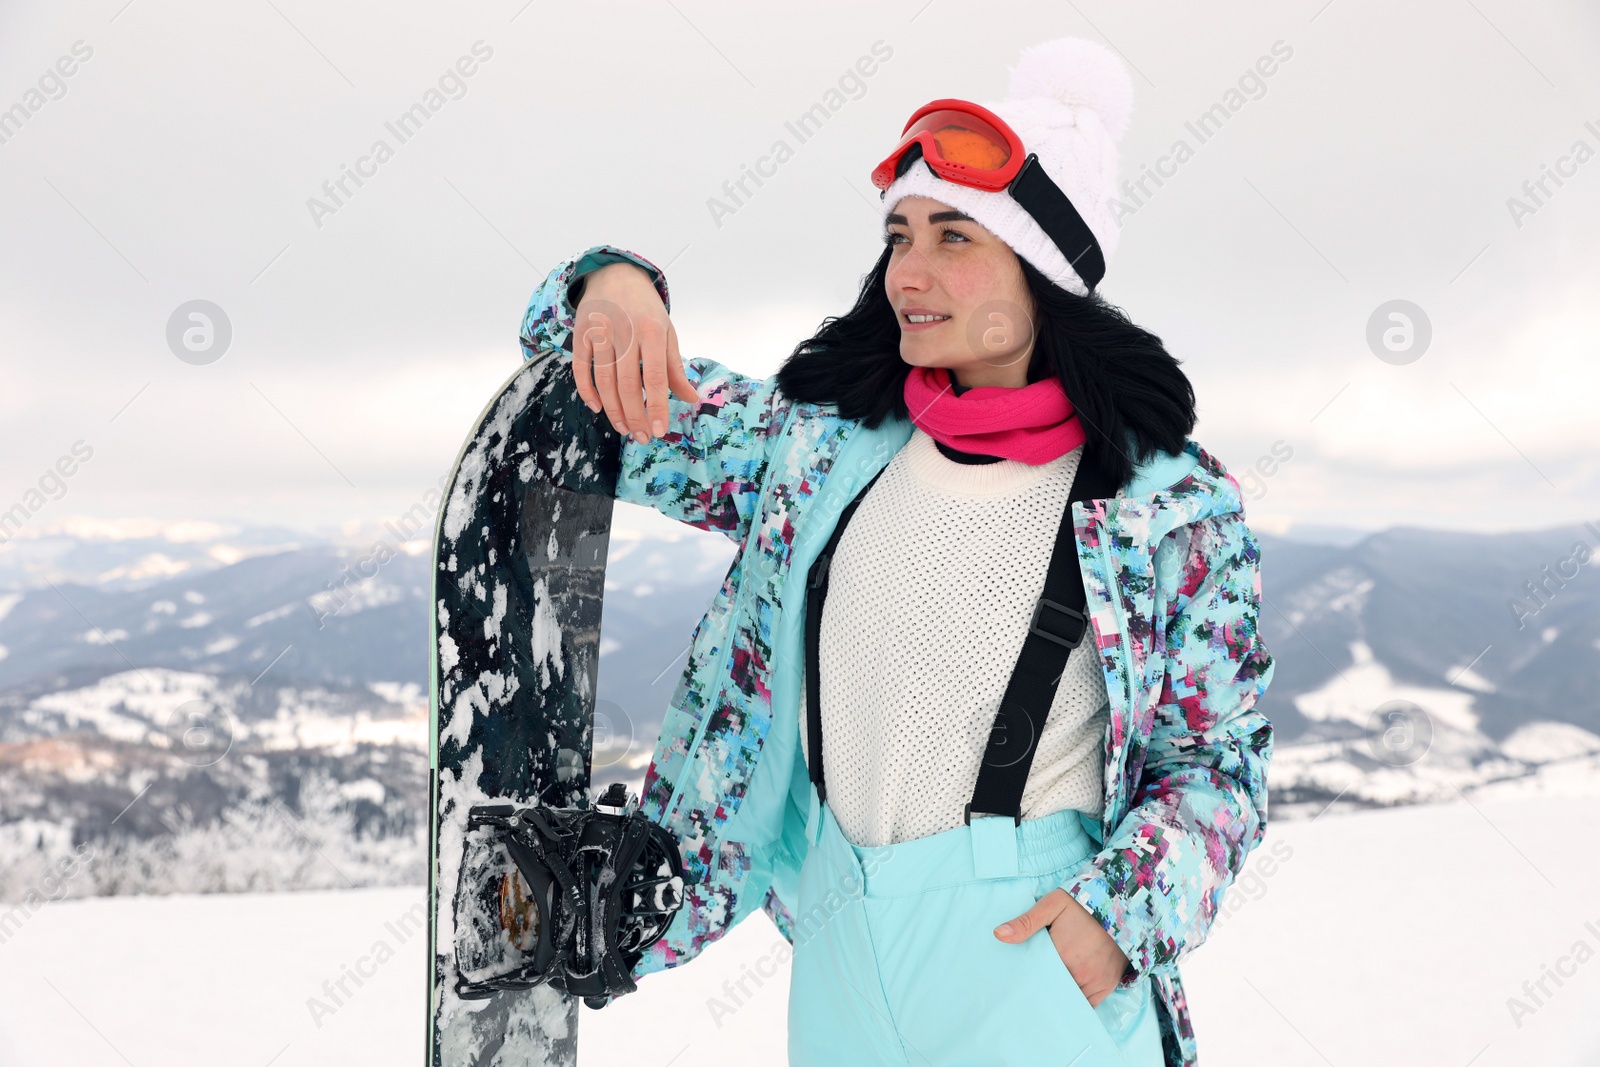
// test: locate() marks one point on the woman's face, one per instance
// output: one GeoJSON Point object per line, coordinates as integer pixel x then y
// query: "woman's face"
{"type": "Point", "coordinates": [942, 263]}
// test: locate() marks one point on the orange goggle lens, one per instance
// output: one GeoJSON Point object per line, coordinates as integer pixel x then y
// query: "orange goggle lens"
{"type": "Point", "coordinates": [964, 139]}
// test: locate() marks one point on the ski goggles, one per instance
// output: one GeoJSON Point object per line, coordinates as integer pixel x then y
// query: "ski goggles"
{"type": "Point", "coordinates": [970, 145]}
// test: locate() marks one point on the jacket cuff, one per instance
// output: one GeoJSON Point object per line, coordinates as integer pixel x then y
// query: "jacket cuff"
{"type": "Point", "coordinates": [1131, 930]}
{"type": "Point", "coordinates": [604, 255]}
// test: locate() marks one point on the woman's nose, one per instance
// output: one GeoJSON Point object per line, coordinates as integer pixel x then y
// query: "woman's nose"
{"type": "Point", "coordinates": [909, 275]}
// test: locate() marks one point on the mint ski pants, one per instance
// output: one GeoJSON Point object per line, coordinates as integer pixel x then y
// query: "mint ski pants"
{"type": "Point", "coordinates": [895, 959]}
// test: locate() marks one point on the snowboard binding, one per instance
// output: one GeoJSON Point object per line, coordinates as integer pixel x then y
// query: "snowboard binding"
{"type": "Point", "coordinates": [585, 892]}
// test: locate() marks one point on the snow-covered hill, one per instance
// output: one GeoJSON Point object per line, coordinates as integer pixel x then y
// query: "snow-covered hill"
{"type": "Point", "coordinates": [163, 683]}
{"type": "Point", "coordinates": [1385, 939]}
{"type": "Point", "coordinates": [1377, 741]}
{"type": "Point", "coordinates": [168, 689]}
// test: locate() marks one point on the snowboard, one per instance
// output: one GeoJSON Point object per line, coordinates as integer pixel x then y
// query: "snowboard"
{"type": "Point", "coordinates": [518, 583]}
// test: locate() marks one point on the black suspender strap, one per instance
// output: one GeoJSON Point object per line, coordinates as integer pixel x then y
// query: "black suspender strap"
{"type": "Point", "coordinates": [816, 593]}
{"type": "Point", "coordinates": [1057, 627]}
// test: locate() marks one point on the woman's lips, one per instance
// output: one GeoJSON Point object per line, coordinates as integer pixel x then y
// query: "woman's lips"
{"type": "Point", "coordinates": [907, 325]}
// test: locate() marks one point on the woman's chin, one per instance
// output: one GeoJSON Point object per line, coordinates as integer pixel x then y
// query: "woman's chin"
{"type": "Point", "coordinates": [919, 355]}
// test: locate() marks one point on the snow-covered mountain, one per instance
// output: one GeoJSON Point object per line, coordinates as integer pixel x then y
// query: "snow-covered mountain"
{"type": "Point", "coordinates": [163, 681]}
{"type": "Point", "coordinates": [172, 691]}
{"type": "Point", "coordinates": [132, 552]}
{"type": "Point", "coordinates": [1422, 665]}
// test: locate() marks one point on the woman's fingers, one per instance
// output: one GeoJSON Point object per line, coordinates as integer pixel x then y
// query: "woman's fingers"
{"type": "Point", "coordinates": [676, 375]}
{"type": "Point", "coordinates": [583, 368]}
{"type": "Point", "coordinates": [655, 339]}
{"type": "Point", "coordinates": [630, 384]}
{"type": "Point", "coordinates": [600, 334]}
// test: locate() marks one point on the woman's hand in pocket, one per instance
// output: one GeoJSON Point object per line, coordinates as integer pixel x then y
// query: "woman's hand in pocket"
{"type": "Point", "coordinates": [1090, 954]}
{"type": "Point", "coordinates": [623, 338]}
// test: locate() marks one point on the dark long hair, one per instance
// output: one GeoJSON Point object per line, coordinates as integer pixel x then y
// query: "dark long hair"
{"type": "Point", "coordinates": [1120, 378]}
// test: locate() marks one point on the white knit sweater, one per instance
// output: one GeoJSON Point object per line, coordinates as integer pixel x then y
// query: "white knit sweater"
{"type": "Point", "coordinates": [929, 597]}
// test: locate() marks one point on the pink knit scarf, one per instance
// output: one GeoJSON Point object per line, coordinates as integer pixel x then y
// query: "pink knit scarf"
{"type": "Point", "coordinates": [1034, 423]}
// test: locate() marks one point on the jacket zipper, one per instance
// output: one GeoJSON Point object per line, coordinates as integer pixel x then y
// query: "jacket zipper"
{"type": "Point", "coordinates": [1122, 635]}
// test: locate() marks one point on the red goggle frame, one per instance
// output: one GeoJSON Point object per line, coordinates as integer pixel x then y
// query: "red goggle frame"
{"type": "Point", "coordinates": [962, 142]}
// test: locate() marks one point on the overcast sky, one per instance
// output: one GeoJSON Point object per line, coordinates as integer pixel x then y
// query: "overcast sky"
{"type": "Point", "coordinates": [177, 160]}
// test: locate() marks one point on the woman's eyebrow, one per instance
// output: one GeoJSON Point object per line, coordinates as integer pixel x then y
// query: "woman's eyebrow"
{"type": "Point", "coordinates": [937, 216]}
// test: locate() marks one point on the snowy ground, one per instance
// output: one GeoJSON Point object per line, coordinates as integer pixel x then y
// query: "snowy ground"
{"type": "Point", "coordinates": [1369, 939]}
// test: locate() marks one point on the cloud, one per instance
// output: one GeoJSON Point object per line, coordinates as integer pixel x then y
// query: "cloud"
{"type": "Point", "coordinates": [178, 166]}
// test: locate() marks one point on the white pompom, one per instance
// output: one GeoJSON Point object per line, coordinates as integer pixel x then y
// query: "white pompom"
{"type": "Point", "coordinates": [1080, 73]}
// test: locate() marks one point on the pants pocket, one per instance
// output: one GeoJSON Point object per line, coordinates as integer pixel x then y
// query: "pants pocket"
{"type": "Point", "coordinates": [1123, 1011]}
{"type": "Point", "coordinates": [964, 998]}
{"type": "Point", "coordinates": [1114, 1018]}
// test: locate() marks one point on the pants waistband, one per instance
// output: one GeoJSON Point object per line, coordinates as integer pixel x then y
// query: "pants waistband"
{"type": "Point", "coordinates": [990, 847]}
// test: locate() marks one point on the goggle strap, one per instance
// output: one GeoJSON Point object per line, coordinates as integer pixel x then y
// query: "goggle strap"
{"type": "Point", "coordinates": [908, 159]}
{"type": "Point", "coordinates": [1043, 199]}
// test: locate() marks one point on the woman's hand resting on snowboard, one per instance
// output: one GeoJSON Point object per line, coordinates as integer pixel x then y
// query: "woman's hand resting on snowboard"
{"type": "Point", "coordinates": [625, 351]}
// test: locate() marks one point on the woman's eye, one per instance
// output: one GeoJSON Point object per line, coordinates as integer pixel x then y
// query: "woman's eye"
{"type": "Point", "coordinates": [890, 238]}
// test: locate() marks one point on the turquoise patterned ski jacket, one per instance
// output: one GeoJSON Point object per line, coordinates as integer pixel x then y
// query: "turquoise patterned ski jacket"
{"type": "Point", "coordinates": [1172, 575]}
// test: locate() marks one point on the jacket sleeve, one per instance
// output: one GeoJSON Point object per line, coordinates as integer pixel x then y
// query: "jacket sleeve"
{"type": "Point", "coordinates": [1201, 804]}
{"type": "Point", "coordinates": [707, 469]}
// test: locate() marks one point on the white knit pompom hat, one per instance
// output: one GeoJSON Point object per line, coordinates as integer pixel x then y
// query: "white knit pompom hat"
{"type": "Point", "coordinates": [1069, 101]}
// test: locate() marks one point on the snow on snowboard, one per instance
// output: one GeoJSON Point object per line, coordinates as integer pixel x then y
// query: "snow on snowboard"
{"type": "Point", "coordinates": [519, 573]}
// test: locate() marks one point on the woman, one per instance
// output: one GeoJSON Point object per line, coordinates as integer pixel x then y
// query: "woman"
{"type": "Point", "coordinates": [935, 434]}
